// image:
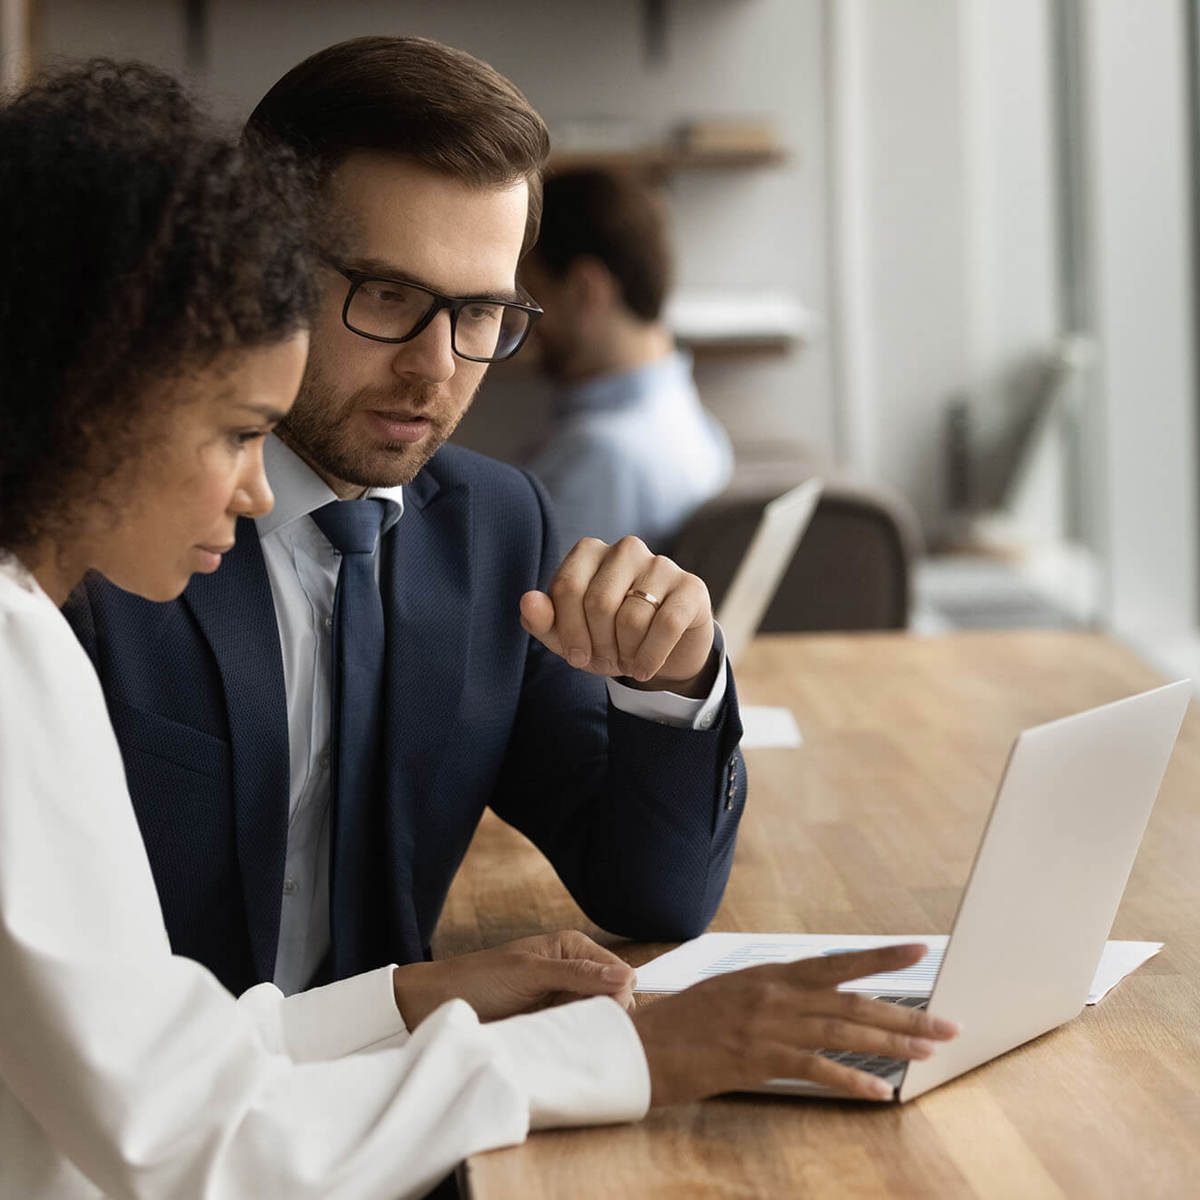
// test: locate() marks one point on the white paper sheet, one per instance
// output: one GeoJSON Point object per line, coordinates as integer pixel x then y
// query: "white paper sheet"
{"type": "Point", "coordinates": [715, 953]}
{"type": "Point", "coordinates": [765, 727]}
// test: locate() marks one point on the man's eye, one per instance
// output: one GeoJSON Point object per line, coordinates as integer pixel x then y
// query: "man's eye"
{"type": "Point", "coordinates": [384, 294]}
{"type": "Point", "coordinates": [482, 312]}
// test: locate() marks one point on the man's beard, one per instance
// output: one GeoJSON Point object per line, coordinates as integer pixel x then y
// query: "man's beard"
{"type": "Point", "coordinates": [319, 429]}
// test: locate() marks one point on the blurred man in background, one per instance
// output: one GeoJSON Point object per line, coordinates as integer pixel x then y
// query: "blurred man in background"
{"type": "Point", "coordinates": [630, 449]}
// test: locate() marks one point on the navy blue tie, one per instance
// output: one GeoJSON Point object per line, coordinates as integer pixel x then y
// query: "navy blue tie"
{"type": "Point", "coordinates": [353, 527]}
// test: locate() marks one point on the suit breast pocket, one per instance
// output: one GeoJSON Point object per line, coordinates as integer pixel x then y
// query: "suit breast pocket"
{"type": "Point", "coordinates": [180, 782]}
{"type": "Point", "coordinates": [140, 732]}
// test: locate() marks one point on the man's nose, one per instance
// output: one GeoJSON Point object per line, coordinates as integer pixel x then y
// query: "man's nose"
{"type": "Point", "coordinates": [430, 355]}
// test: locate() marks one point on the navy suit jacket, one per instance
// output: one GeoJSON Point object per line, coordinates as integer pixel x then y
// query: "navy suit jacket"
{"type": "Point", "coordinates": [637, 818]}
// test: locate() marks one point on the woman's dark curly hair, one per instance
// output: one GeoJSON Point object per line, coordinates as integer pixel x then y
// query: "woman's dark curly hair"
{"type": "Point", "coordinates": [139, 244]}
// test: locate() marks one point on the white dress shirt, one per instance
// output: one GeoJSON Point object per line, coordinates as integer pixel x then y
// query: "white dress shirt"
{"type": "Point", "coordinates": [302, 568]}
{"type": "Point", "coordinates": [128, 1071]}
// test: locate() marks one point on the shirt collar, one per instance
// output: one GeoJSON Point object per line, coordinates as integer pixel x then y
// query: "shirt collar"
{"type": "Point", "coordinates": [299, 490]}
{"type": "Point", "coordinates": [626, 389]}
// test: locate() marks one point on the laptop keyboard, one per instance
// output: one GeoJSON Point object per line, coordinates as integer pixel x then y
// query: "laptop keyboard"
{"type": "Point", "coordinates": [876, 1064]}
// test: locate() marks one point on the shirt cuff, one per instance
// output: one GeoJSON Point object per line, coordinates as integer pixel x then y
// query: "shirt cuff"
{"type": "Point", "coordinates": [341, 1018]}
{"type": "Point", "coordinates": [668, 708]}
{"type": "Point", "coordinates": [579, 1064]}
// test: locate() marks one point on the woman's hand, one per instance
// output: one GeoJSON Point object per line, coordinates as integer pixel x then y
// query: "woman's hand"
{"type": "Point", "coordinates": [738, 1030]}
{"type": "Point", "coordinates": [516, 977]}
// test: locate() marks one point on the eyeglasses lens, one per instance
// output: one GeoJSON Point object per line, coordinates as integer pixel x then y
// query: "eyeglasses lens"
{"type": "Point", "coordinates": [484, 330]}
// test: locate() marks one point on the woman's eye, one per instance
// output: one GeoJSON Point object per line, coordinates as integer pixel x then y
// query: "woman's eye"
{"type": "Point", "coordinates": [243, 437]}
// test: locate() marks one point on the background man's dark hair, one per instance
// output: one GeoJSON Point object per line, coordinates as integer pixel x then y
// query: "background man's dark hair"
{"type": "Point", "coordinates": [140, 242]}
{"type": "Point", "coordinates": [439, 107]}
{"type": "Point", "coordinates": [616, 218]}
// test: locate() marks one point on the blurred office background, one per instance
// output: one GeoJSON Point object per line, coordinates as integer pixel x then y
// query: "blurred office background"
{"type": "Point", "coordinates": [940, 251]}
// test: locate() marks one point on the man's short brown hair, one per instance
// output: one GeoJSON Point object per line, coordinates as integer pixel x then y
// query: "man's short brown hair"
{"type": "Point", "coordinates": [617, 218]}
{"type": "Point", "coordinates": [439, 107]}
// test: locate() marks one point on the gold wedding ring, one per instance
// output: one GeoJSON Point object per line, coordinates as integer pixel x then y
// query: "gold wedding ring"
{"type": "Point", "coordinates": [652, 600]}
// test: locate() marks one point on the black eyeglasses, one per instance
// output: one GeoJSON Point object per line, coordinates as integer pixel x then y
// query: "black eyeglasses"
{"type": "Point", "coordinates": [393, 310]}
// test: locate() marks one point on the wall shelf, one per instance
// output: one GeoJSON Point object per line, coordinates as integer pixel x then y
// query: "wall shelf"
{"type": "Point", "coordinates": [665, 160]}
{"type": "Point", "coordinates": [706, 351]}
{"type": "Point", "coordinates": [712, 348]}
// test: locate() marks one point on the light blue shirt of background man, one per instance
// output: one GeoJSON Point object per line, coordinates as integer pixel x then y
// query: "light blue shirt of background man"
{"type": "Point", "coordinates": [632, 451]}
{"type": "Point", "coordinates": [630, 448]}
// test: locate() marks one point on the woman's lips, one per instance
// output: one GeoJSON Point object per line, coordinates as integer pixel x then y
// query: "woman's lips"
{"type": "Point", "coordinates": [210, 557]}
{"type": "Point", "coordinates": [400, 427]}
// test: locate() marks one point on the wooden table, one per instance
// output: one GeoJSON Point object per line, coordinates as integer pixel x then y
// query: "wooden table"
{"type": "Point", "coordinates": [871, 827]}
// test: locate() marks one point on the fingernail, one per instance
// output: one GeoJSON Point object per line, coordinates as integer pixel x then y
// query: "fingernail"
{"type": "Point", "coordinates": [946, 1027]}
{"type": "Point", "coordinates": [577, 658]}
{"type": "Point", "coordinates": [615, 974]}
{"type": "Point", "coordinates": [920, 1047]}
{"type": "Point", "coordinates": [881, 1090]}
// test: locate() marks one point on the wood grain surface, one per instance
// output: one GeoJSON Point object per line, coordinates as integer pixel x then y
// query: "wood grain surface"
{"type": "Point", "coordinates": [871, 827]}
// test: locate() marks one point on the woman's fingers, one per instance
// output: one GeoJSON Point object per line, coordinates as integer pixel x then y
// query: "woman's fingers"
{"type": "Point", "coordinates": [837, 1034]}
{"type": "Point", "coordinates": [772, 1022]}
{"type": "Point", "coordinates": [816, 1068]}
{"type": "Point", "coordinates": [828, 970]}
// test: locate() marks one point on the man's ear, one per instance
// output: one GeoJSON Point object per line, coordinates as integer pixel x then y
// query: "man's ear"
{"type": "Point", "coordinates": [591, 285]}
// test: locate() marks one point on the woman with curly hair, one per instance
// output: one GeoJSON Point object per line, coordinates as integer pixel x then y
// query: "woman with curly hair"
{"type": "Point", "coordinates": [155, 288]}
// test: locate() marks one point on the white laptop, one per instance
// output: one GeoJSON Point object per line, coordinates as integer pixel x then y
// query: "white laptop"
{"type": "Point", "coordinates": [757, 577]}
{"type": "Point", "coordinates": [1047, 879]}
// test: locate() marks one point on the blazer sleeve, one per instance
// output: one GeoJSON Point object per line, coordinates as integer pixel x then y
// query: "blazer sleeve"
{"type": "Point", "coordinates": [639, 819]}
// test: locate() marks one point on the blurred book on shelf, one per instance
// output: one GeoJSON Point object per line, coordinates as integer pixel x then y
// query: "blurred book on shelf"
{"type": "Point", "coordinates": [726, 135]}
{"type": "Point", "coordinates": [620, 143]}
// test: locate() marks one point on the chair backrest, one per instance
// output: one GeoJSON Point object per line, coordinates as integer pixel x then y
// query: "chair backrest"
{"type": "Point", "coordinates": [852, 570]}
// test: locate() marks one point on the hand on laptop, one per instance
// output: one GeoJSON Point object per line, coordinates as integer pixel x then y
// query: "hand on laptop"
{"type": "Point", "coordinates": [621, 610]}
{"type": "Point", "coordinates": [741, 1029]}
{"type": "Point", "coordinates": [516, 977]}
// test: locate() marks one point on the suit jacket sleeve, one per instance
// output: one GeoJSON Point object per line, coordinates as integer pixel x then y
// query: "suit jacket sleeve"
{"type": "Point", "coordinates": [638, 819]}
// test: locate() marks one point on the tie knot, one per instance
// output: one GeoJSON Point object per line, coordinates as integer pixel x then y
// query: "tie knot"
{"type": "Point", "coordinates": [352, 525]}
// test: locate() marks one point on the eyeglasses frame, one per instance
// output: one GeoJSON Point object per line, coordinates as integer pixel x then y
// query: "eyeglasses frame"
{"type": "Point", "coordinates": [452, 304]}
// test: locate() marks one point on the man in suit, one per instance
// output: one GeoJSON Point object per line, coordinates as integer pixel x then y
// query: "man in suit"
{"type": "Point", "coordinates": [312, 732]}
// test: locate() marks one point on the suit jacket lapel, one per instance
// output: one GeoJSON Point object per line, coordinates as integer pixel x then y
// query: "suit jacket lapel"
{"type": "Point", "coordinates": [236, 613]}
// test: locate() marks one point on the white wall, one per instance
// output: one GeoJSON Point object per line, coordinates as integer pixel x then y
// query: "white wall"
{"type": "Point", "coordinates": [1144, 421]}
{"type": "Point", "coordinates": [1012, 186]}
{"type": "Point", "coordinates": [944, 232]}
{"type": "Point", "coordinates": [115, 28]}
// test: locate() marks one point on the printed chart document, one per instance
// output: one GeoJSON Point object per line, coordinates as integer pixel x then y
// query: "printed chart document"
{"type": "Point", "coordinates": [715, 953]}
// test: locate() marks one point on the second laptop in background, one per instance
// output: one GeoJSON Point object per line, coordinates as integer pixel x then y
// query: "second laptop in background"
{"type": "Point", "coordinates": [758, 575]}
